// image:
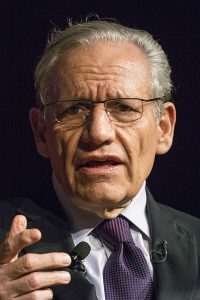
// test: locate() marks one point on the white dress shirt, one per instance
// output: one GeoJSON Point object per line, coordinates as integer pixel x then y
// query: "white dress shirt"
{"type": "Point", "coordinates": [82, 223]}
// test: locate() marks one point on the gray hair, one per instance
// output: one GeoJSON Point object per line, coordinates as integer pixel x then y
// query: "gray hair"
{"type": "Point", "coordinates": [86, 33]}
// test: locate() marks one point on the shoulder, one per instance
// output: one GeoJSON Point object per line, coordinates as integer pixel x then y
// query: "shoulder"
{"type": "Point", "coordinates": [163, 217]}
{"type": "Point", "coordinates": [185, 220]}
{"type": "Point", "coordinates": [35, 214]}
{"type": "Point", "coordinates": [11, 207]}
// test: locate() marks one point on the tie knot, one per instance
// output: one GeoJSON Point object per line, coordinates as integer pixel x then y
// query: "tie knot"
{"type": "Point", "coordinates": [114, 231]}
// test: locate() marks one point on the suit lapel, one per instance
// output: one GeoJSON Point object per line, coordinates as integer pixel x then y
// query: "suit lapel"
{"type": "Point", "coordinates": [56, 238]}
{"type": "Point", "coordinates": [174, 277]}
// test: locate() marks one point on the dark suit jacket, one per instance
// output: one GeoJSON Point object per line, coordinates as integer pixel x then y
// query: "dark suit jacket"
{"type": "Point", "coordinates": [176, 278]}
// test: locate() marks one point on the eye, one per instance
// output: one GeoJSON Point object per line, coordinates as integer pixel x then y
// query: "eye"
{"type": "Point", "coordinates": [72, 110]}
{"type": "Point", "coordinates": [76, 108]}
{"type": "Point", "coordinates": [123, 107]}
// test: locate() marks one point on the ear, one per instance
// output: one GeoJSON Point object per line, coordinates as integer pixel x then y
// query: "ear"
{"type": "Point", "coordinates": [38, 125]}
{"type": "Point", "coordinates": [166, 128]}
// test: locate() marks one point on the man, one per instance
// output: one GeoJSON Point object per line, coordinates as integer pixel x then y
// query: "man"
{"type": "Point", "coordinates": [104, 112]}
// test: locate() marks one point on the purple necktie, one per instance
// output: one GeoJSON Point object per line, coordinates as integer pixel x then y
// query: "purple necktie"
{"type": "Point", "coordinates": [126, 273]}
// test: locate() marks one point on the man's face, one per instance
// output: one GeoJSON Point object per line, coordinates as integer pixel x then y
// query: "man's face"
{"type": "Point", "coordinates": [101, 165]}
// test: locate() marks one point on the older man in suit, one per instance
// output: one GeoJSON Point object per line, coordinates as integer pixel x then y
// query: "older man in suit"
{"type": "Point", "coordinates": [103, 113]}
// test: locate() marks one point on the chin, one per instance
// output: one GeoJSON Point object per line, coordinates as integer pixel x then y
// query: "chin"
{"type": "Point", "coordinates": [102, 193]}
{"type": "Point", "coordinates": [104, 205]}
{"type": "Point", "coordinates": [109, 213]}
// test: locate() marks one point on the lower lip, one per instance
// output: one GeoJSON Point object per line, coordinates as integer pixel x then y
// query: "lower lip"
{"type": "Point", "coordinates": [101, 169]}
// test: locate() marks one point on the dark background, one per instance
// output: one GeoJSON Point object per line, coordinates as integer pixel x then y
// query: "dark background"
{"type": "Point", "coordinates": [23, 31]}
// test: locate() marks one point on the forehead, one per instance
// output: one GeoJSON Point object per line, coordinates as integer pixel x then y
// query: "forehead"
{"type": "Point", "coordinates": [104, 65]}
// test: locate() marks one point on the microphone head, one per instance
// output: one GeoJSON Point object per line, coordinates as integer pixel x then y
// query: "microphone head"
{"type": "Point", "coordinates": [82, 250]}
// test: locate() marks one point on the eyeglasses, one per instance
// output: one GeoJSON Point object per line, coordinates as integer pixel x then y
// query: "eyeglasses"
{"type": "Point", "coordinates": [77, 112]}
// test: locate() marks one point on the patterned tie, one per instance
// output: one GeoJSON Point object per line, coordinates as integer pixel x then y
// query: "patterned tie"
{"type": "Point", "coordinates": [126, 273]}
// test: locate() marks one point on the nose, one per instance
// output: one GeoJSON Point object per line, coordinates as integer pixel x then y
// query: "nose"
{"type": "Point", "coordinates": [99, 129]}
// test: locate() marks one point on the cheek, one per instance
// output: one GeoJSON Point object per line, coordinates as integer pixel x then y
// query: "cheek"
{"type": "Point", "coordinates": [139, 143]}
{"type": "Point", "coordinates": [148, 145]}
{"type": "Point", "coordinates": [62, 145]}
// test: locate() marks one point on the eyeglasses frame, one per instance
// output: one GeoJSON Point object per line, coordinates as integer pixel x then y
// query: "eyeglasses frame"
{"type": "Point", "coordinates": [93, 103]}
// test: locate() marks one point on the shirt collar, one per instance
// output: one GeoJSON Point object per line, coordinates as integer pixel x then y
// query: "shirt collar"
{"type": "Point", "coordinates": [135, 212]}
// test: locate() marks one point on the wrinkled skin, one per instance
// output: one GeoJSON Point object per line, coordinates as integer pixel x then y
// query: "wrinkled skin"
{"type": "Point", "coordinates": [100, 72]}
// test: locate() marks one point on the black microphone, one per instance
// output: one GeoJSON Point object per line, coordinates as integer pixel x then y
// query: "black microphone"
{"type": "Point", "coordinates": [159, 254]}
{"type": "Point", "coordinates": [79, 253]}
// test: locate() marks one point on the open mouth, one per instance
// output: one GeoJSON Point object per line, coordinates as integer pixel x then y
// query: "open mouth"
{"type": "Point", "coordinates": [98, 162]}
